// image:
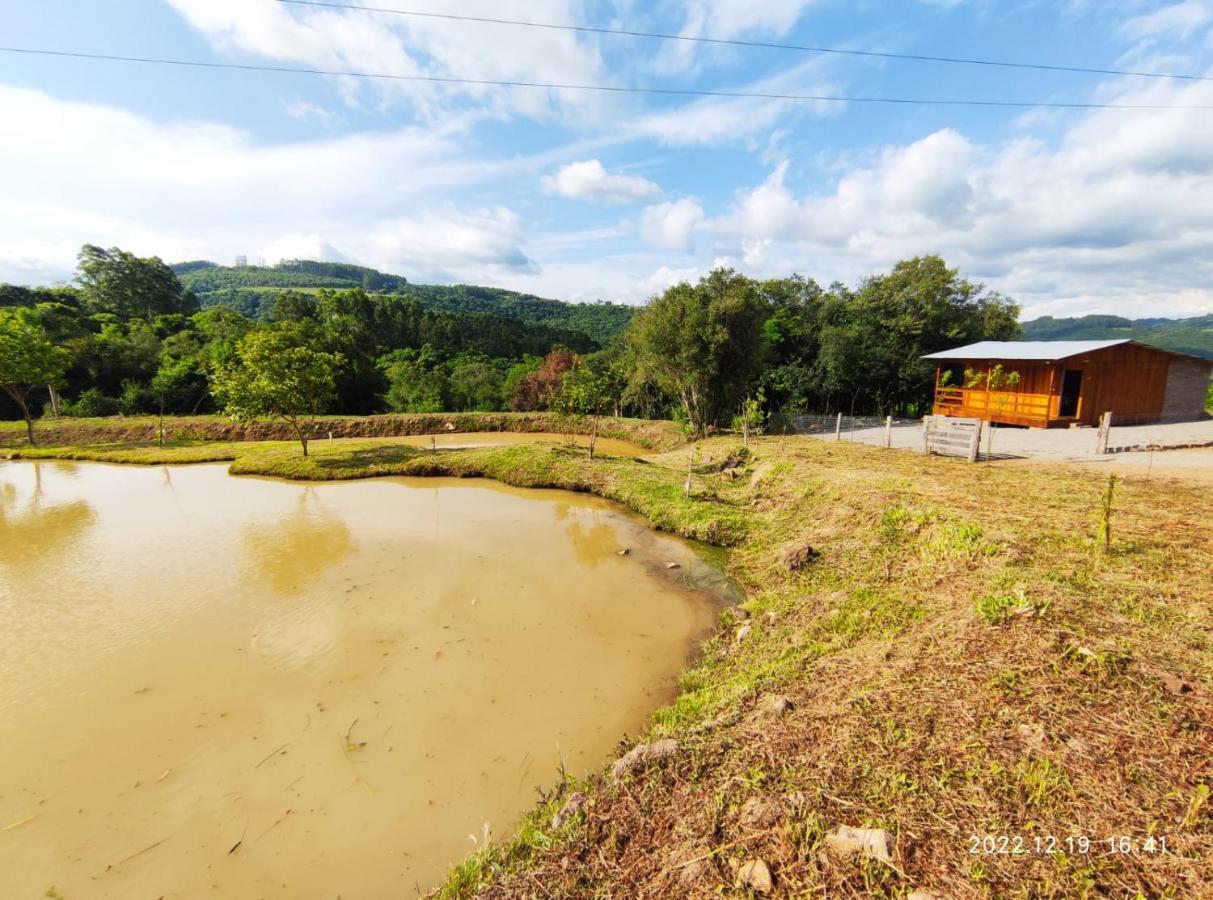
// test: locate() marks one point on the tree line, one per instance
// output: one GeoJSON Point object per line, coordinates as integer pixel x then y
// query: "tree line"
{"type": "Point", "coordinates": [127, 338]}
{"type": "Point", "coordinates": [251, 291]}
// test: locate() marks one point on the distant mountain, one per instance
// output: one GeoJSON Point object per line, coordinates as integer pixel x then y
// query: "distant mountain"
{"type": "Point", "coordinates": [251, 289]}
{"type": "Point", "coordinates": [204, 277]}
{"type": "Point", "coordinates": [1194, 335]}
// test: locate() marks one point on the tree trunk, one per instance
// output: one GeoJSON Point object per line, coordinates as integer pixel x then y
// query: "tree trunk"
{"type": "Point", "coordinates": [19, 399]}
{"type": "Point", "coordinates": [300, 434]}
{"type": "Point", "coordinates": [54, 400]}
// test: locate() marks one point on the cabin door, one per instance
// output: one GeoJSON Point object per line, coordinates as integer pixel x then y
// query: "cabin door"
{"type": "Point", "coordinates": [1071, 388]}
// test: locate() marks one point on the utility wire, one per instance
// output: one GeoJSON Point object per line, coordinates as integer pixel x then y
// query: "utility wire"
{"type": "Point", "coordinates": [737, 42]}
{"type": "Point", "coordinates": [604, 88]}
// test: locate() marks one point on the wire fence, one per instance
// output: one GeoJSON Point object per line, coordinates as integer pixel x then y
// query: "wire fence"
{"type": "Point", "coordinates": [858, 429]}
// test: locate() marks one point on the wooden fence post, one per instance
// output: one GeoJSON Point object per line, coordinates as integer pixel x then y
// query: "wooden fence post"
{"type": "Point", "coordinates": [838, 428]}
{"type": "Point", "coordinates": [975, 442]}
{"type": "Point", "coordinates": [888, 432]}
{"type": "Point", "coordinates": [926, 434]}
{"type": "Point", "coordinates": [1105, 428]}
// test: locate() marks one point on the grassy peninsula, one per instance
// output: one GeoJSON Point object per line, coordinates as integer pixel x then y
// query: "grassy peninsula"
{"type": "Point", "coordinates": [945, 654]}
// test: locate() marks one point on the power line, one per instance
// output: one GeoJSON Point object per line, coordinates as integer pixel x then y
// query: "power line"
{"type": "Point", "coordinates": [737, 42]}
{"type": "Point", "coordinates": [603, 88]}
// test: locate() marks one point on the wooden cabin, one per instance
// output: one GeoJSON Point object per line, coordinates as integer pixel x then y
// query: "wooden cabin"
{"type": "Point", "coordinates": [1046, 384]}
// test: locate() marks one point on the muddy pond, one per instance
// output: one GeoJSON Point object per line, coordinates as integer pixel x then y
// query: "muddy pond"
{"type": "Point", "coordinates": [220, 686]}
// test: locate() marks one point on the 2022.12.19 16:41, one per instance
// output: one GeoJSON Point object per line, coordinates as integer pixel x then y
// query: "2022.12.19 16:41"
{"type": "Point", "coordinates": [1080, 844]}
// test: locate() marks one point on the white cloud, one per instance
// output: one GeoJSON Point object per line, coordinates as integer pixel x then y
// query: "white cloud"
{"type": "Point", "coordinates": [731, 18]}
{"type": "Point", "coordinates": [305, 111]}
{"type": "Point", "coordinates": [588, 180]}
{"type": "Point", "coordinates": [1179, 20]}
{"type": "Point", "coordinates": [727, 19]}
{"type": "Point", "coordinates": [300, 246]}
{"type": "Point", "coordinates": [450, 244]}
{"type": "Point", "coordinates": [672, 224]}
{"type": "Point", "coordinates": [722, 120]}
{"type": "Point", "coordinates": [1118, 216]}
{"type": "Point", "coordinates": [667, 277]}
{"type": "Point", "coordinates": [349, 40]}
{"type": "Point", "coordinates": [195, 190]}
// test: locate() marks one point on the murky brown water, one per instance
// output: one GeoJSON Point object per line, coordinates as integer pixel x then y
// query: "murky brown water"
{"type": "Point", "coordinates": [214, 686]}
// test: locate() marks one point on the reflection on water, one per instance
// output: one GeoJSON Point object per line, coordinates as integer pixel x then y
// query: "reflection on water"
{"type": "Point", "coordinates": [212, 686]}
{"type": "Point", "coordinates": [36, 530]}
{"type": "Point", "coordinates": [594, 541]}
{"type": "Point", "coordinates": [298, 545]}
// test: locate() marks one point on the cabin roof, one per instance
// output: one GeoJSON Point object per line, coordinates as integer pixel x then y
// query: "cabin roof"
{"type": "Point", "coordinates": [1035, 351]}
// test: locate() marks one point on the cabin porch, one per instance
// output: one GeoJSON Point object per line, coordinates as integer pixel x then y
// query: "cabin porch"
{"type": "Point", "coordinates": [1019, 393]}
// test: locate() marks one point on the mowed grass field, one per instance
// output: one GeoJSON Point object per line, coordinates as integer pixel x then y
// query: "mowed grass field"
{"type": "Point", "coordinates": [946, 653]}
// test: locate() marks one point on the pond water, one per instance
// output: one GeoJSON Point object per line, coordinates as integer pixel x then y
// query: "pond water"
{"type": "Point", "coordinates": [218, 686]}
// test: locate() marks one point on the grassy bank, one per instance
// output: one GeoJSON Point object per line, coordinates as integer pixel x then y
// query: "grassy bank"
{"type": "Point", "coordinates": [960, 659]}
{"type": "Point", "coordinates": [649, 434]}
{"type": "Point", "coordinates": [941, 651]}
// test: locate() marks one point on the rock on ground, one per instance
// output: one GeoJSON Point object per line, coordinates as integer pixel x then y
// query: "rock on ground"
{"type": "Point", "coordinates": [572, 806]}
{"type": "Point", "coordinates": [755, 875]}
{"type": "Point", "coordinates": [874, 842]}
{"type": "Point", "coordinates": [642, 754]}
{"type": "Point", "coordinates": [798, 557]}
{"type": "Point", "coordinates": [759, 812]}
{"type": "Point", "coordinates": [776, 703]}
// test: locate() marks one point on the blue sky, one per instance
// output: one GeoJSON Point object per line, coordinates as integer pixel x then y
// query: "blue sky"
{"type": "Point", "coordinates": [583, 195]}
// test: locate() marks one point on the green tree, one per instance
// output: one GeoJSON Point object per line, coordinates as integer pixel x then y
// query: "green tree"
{"type": "Point", "coordinates": [703, 344]}
{"type": "Point", "coordinates": [221, 330]}
{"type": "Point", "coordinates": [751, 418]}
{"type": "Point", "coordinates": [275, 374]}
{"type": "Point", "coordinates": [920, 307]}
{"type": "Point", "coordinates": [179, 381]}
{"type": "Point", "coordinates": [115, 281]}
{"type": "Point", "coordinates": [475, 383]}
{"type": "Point", "coordinates": [416, 381]}
{"type": "Point", "coordinates": [28, 360]}
{"type": "Point", "coordinates": [582, 395]}
{"type": "Point", "coordinates": [292, 306]}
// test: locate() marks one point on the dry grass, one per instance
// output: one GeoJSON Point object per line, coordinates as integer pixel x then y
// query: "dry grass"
{"type": "Point", "coordinates": [1081, 709]}
{"type": "Point", "coordinates": [962, 657]}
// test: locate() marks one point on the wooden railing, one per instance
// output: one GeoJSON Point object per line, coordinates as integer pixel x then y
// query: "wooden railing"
{"type": "Point", "coordinates": [961, 401]}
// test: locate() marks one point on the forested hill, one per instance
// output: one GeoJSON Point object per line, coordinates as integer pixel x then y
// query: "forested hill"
{"type": "Point", "coordinates": [250, 290]}
{"type": "Point", "coordinates": [128, 336]}
{"type": "Point", "coordinates": [1194, 335]}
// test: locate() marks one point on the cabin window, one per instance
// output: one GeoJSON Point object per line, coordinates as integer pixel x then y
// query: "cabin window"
{"type": "Point", "coordinates": [1071, 389]}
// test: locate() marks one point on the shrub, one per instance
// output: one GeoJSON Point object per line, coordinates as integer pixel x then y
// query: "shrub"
{"type": "Point", "coordinates": [136, 398]}
{"type": "Point", "coordinates": [92, 403]}
{"type": "Point", "coordinates": [998, 608]}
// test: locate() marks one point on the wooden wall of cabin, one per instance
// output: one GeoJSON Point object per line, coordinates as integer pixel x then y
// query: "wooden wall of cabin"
{"type": "Point", "coordinates": [1128, 381]}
